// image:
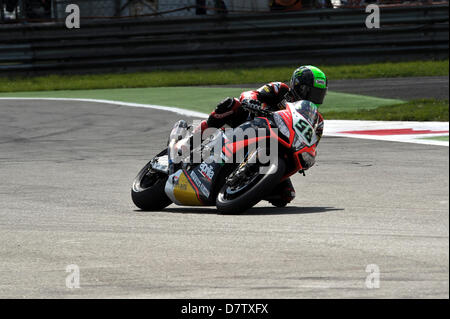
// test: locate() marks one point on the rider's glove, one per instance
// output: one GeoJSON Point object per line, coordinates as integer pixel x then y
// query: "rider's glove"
{"type": "Point", "coordinates": [252, 104]}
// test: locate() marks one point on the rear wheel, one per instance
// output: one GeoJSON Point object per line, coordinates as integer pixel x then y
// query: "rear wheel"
{"type": "Point", "coordinates": [240, 193]}
{"type": "Point", "coordinates": [148, 190]}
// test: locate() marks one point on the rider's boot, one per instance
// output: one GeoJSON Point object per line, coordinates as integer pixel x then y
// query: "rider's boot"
{"type": "Point", "coordinates": [283, 194]}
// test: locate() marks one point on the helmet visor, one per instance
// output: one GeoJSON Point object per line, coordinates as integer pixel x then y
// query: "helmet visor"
{"type": "Point", "coordinates": [317, 95]}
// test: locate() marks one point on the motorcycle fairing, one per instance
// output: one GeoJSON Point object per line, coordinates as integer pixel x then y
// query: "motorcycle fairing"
{"type": "Point", "coordinates": [181, 189]}
{"type": "Point", "coordinates": [231, 146]}
{"type": "Point", "coordinates": [204, 177]}
{"type": "Point", "coordinates": [193, 187]}
{"type": "Point", "coordinates": [302, 126]}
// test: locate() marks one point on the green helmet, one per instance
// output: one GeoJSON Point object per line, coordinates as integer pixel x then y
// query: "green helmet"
{"type": "Point", "coordinates": [309, 83]}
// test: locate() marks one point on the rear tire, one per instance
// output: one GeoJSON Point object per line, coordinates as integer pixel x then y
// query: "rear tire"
{"type": "Point", "coordinates": [254, 195]}
{"type": "Point", "coordinates": [148, 190]}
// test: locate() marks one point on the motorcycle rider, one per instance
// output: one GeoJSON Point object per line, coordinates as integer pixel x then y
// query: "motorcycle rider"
{"type": "Point", "coordinates": [308, 83]}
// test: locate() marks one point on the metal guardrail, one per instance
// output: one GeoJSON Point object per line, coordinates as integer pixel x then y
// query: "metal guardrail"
{"type": "Point", "coordinates": [322, 36]}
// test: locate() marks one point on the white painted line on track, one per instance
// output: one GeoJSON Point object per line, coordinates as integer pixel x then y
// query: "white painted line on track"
{"type": "Point", "coordinates": [149, 106]}
{"type": "Point", "coordinates": [337, 128]}
{"type": "Point", "coordinates": [415, 139]}
{"type": "Point", "coordinates": [343, 127]}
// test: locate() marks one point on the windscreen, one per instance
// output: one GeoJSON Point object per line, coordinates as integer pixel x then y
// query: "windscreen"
{"type": "Point", "coordinates": [308, 110]}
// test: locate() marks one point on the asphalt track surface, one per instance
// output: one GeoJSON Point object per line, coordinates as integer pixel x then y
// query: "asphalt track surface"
{"type": "Point", "coordinates": [403, 88]}
{"type": "Point", "coordinates": [66, 170]}
{"type": "Point", "coordinates": [396, 88]}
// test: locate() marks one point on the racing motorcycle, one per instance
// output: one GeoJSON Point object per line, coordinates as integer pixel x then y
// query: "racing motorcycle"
{"type": "Point", "coordinates": [233, 187]}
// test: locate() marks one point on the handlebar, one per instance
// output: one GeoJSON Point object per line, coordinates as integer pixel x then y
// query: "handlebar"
{"type": "Point", "coordinates": [255, 110]}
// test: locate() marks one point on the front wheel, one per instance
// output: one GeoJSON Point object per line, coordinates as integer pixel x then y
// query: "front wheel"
{"type": "Point", "coordinates": [148, 190]}
{"type": "Point", "coordinates": [239, 197]}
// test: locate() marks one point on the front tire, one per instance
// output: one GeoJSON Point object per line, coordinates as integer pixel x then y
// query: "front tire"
{"type": "Point", "coordinates": [262, 186]}
{"type": "Point", "coordinates": [148, 192]}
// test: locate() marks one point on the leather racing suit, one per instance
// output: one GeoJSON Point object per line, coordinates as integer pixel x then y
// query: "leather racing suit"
{"type": "Point", "coordinates": [271, 96]}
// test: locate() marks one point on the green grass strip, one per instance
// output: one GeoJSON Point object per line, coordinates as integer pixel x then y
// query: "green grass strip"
{"type": "Point", "coordinates": [437, 138]}
{"type": "Point", "coordinates": [201, 99]}
{"type": "Point", "coordinates": [337, 105]}
{"type": "Point", "coordinates": [219, 77]}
